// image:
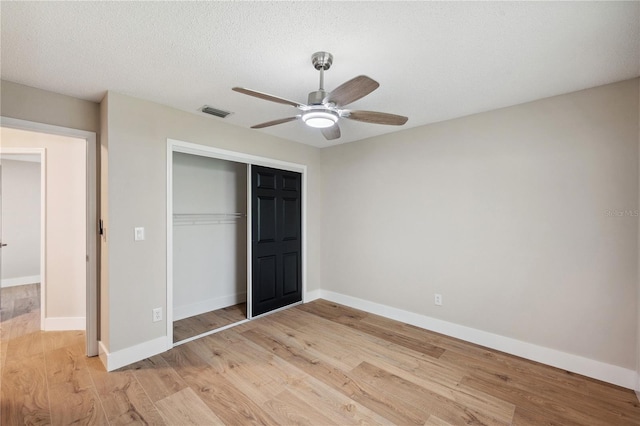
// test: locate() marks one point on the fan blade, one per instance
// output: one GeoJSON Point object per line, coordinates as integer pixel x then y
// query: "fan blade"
{"type": "Point", "coordinates": [267, 97]}
{"type": "Point", "coordinates": [331, 133]}
{"type": "Point", "coordinates": [274, 122]}
{"type": "Point", "coordinates": [351, 91]}
{"type": "Point", "coordinates": [376, 117]}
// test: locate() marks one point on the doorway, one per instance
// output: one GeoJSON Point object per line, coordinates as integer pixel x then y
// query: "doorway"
{"type": "Point", "coordinates": [69, 302]}
{"type": "Point", "coordinates": [245, 161]}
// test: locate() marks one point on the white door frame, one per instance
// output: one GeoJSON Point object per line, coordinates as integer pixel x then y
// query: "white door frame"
{"type": "Point", "coordinates": [238, 157]}
{"type": "Point", "coordinates": [92, 221]}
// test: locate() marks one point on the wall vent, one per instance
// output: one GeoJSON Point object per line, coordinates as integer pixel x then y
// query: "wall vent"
{"type": "Point", "coordinates": [214, 111]}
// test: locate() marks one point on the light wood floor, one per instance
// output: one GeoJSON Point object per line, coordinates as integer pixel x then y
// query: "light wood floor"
{"type": "Point", "coordinates": [199, 324]}
{"type": "Point", "coordinates": [317, 364]}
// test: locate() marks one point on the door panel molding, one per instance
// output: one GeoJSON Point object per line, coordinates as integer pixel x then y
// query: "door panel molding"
{"type": "Point", "coordinates": [280, 220]}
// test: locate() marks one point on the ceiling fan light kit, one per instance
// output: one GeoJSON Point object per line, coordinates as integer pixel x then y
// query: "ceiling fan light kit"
{"type": "Point", "coordinates": [320, 119]}
{"type": "Point", "coordinates": [325, 109]}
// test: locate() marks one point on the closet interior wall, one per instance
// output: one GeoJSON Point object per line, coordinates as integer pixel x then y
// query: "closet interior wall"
{"type": "Point", "coordinates": [209, 234]}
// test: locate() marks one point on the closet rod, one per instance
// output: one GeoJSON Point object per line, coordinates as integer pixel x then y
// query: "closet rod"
{"type": "Point", "coordinates": [180, 219]}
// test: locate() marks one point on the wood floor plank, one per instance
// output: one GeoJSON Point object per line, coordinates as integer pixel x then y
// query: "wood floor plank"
{"type": "Point", "coordinates": [524, 417]}
{"type": "Point", "coordinates": [243, 360]}
{"type": "Point", "coordinates": [278, 371]}
{"type": "Point", "coordinates": [25, 397]}
{"type": "Point", "coordinates": [370, 347]}
{"type": "Point", "coordinates": [338, 407]}
{"type": "Point", "coordinates": [342, 355]}
{"type": "Point", "coordinates": [473, 399]}
{"type": "Point", "coordinates": [73, 397]}
{"type": "Point", "coordinates": [123, 398]}
{"type": "Point", "coordinates": [338, 380]}
{"type": "Point", "coordinates": [495, 362]}
{"type": "Point", "coordinates": [52, 340]}
{"type": "Point", "coordinates": [25, 305]}
{"type": "Point", "coordinates": [347, 336]}
{"type": "Point", "coordinates": [6, 304]}
{"type": "Point", "coordinates": [436, 339]}
{"type": "Point", "coordinates": [220, 395]}
{"type": "Point", "coordinates": [234, 313]}
{"type": "Point", "coordinates": [157, 378]}
{"type": "Point", "coordinates": [75, 406]}
{"type": "Point", "coordinates": [591, 407]}
{"type": "Point", "coordinates": [311, 390]}
{"type": "Point", "coordinates": [25, 324]}
{"type": "Point", "coordinates": [25, 346]}
{"type": "Point", "coordinates": [21, 291]}
{"type": "Point", "coordinates": [534, 402]}
{"type": "Point", "coordinates": [261, 375]}
{"type": "Point", "coordinates": [421, 398]}
{"type": "Point", "coordinates": [251, 373]}
{"type": "Point", "coordinates": [526, 380]}
{"type": "Point", "coordinates": [435, 421]}
{"type": "Point", "coordinates": [295, 411]}
{"type": "Point", "coordinates": [199, 324]}
{"type": "Point", "coordinates": [185, 408]}
{"type": "Point", "coordinates": [398, 339]}
{"type": "Point", "coordinates": [5, 331]}
{"type": "Point", "coordinates": [330, 310]}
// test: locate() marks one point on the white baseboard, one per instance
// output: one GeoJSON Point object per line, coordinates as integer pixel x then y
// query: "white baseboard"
{"type": "Point", "coordinates": [65, 323]}
{"type": "Point", "coordinates": [103, 354]}
{"type": "Point", "coordinates": [587, 367]}
{"type": "Point", "coordinates": [312, 295]}
{"type": "Point", "coordinates": [13, 282]}
{"type": "Point", "coordinates": [114, 360]}
{"type": "Point", "coordinates": [208, 305]}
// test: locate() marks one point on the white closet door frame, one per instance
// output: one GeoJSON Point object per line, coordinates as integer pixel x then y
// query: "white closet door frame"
{"type": "Point", "coordinates": [174, 145]}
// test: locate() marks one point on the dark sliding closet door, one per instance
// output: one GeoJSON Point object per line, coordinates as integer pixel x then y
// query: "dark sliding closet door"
{"type": "Point", "coordinates": [276, 239]}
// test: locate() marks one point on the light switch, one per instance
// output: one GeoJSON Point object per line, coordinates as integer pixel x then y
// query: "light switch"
{"type": "Point", "coordinates": [138, 234]}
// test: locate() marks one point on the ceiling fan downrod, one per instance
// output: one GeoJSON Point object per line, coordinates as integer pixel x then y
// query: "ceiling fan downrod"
{"type": "Point", "coordinates": [321, 61]}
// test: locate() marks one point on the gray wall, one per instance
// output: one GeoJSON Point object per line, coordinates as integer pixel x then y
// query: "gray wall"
{"type": "Point", "coordinates": [40, 106]}
{"type": "Point", "coordinates": [522, 218]}
{"type": "Point", "coordinates": [136, 148]}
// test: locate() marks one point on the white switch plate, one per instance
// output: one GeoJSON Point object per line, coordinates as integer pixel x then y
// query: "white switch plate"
{"type": "Point", "coordinates": [138, 234]}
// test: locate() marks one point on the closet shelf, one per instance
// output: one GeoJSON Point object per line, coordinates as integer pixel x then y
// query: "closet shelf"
{"type": "Point", "coordinates": [185, 219]}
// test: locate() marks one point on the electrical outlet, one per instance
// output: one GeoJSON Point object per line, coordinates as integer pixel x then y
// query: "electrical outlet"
{"type": "Point", "coordinates": [437, 299]}
{"type": "Point", "coordinates": [138, 234]}
{"type": "Point", "coordinates": [157, 314]}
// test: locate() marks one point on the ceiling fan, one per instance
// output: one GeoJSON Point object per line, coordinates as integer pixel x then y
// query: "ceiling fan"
{"type": "Point", "coordinates": [324, 109]}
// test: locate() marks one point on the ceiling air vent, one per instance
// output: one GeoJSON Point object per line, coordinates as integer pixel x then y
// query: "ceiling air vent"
{"type": "Point", "coordinates": [214, 111]}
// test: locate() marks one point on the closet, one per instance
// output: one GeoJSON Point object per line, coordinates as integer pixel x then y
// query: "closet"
{"type": "Point", "coordinates": [209, 197]}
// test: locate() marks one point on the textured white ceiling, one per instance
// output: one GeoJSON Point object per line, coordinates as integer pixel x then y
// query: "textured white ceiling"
{"type": "Point", "coordinates": [434, 60]}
